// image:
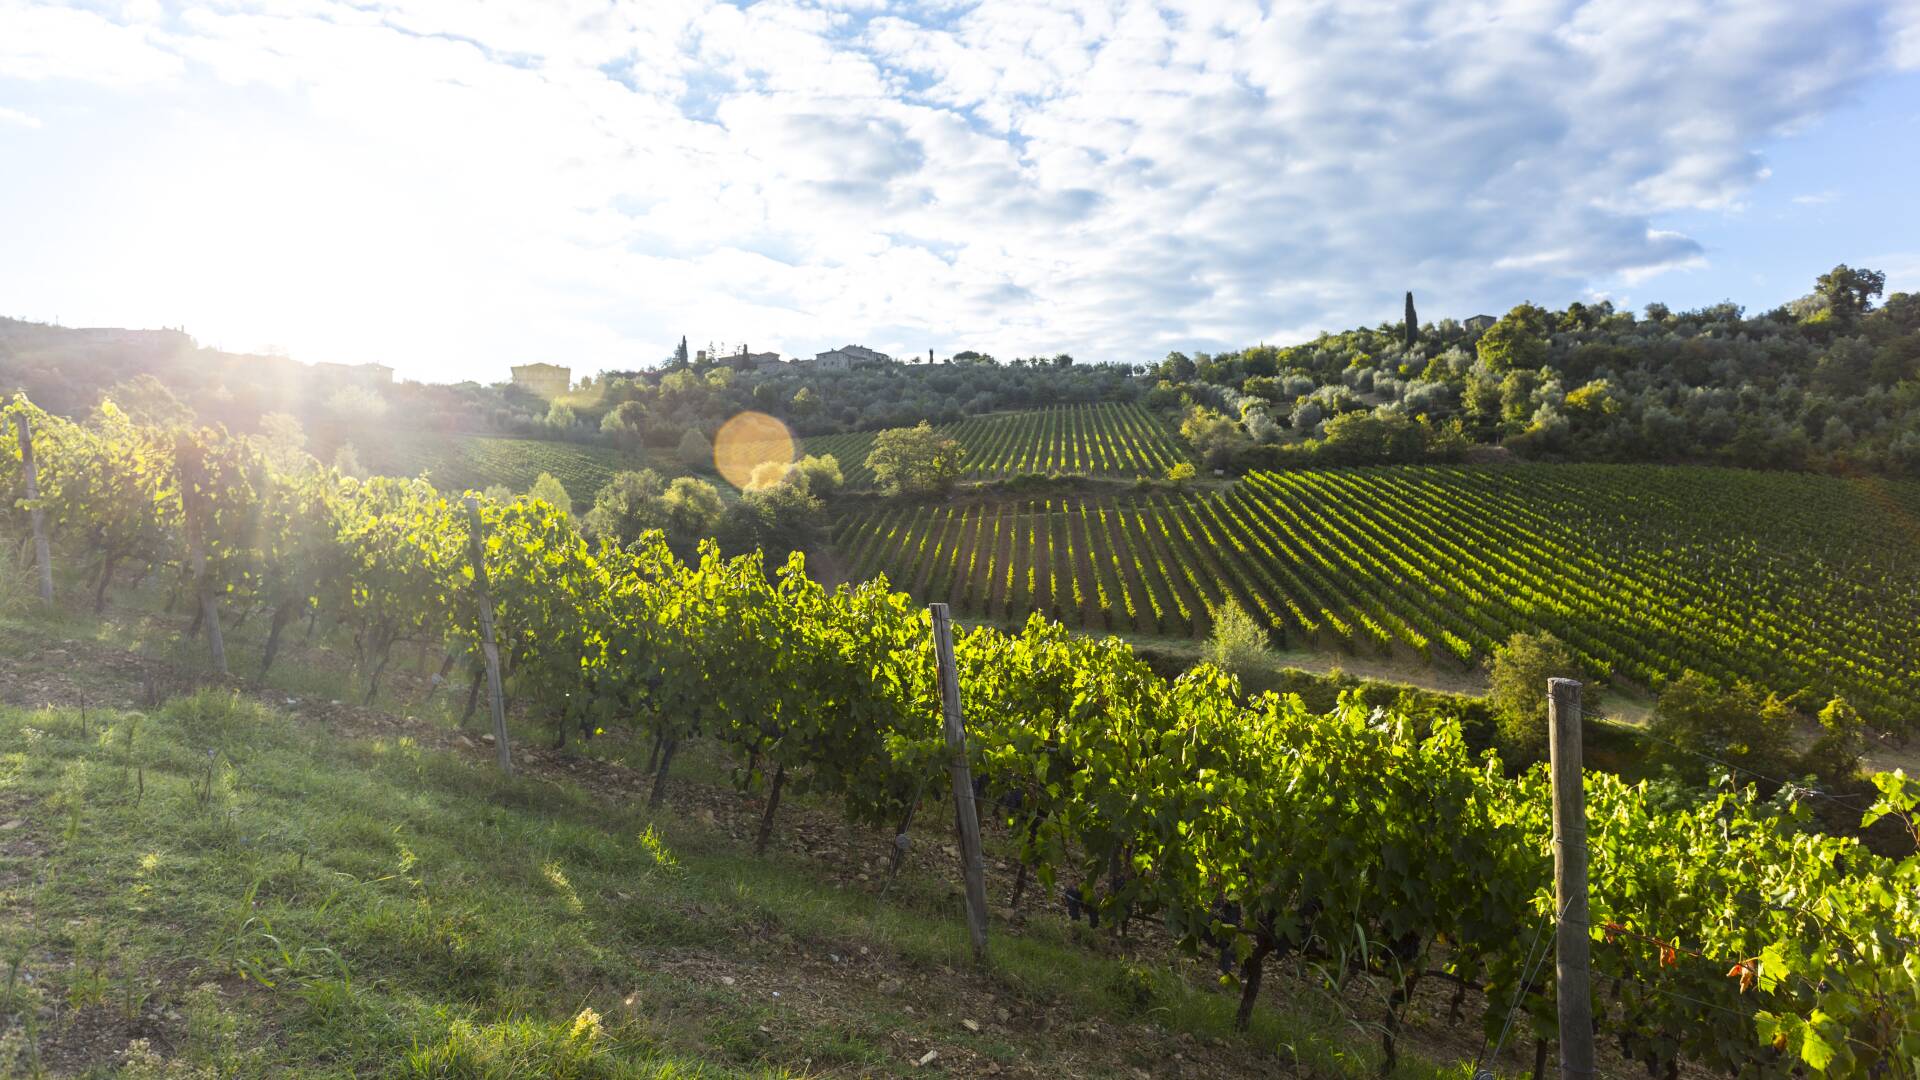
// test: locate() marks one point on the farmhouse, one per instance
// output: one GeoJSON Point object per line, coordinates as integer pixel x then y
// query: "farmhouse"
{"type": "Point", "coordinates": [1479, 323]}
{"type": "Point", "coordinates": [543, 380]}
{"type": "Point", "coordinates": [849, 356]}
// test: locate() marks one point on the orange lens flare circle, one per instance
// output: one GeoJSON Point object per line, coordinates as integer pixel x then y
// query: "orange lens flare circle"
{"type": "Point", "coordinates": [749, 441]}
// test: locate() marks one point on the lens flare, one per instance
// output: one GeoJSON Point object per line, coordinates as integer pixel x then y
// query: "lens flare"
{"type": "Point", "coordinates": [748, 441]}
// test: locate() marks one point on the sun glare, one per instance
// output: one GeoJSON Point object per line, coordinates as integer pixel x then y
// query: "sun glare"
{"type": "Point", "coordinates": [748, 441]}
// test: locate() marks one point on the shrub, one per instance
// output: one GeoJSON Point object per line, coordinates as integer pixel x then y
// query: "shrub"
{"type": "Point", "coordinates": [1835, 756]}
{"type": "Point", "coordinates": [1517, 690]}
{"type": "Point", "coordinates": [695, 450]}
{"type": "Point", "coordinates": [1736, 724]}
{"type": "Point", "coordinates": [1238, 644]}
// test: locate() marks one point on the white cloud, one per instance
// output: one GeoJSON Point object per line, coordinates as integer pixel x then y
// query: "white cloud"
{"type": "Point", "coordinates": [454, 186]}
{"type": "Point", "coordinates": [18, 118]}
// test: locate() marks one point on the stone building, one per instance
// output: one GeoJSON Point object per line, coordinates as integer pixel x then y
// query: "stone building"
{"type": "Point", "coordinates": [547, 381]}
{"type": "Point", "coordinates": [849, 356]}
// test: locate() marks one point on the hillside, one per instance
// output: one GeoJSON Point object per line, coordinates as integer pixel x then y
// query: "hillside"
{"type": "Point", "coordinates": [1790, 580]}
{"type": "Point", "coordinates": [1362, 853]}
{"type": "Point", "coordinates": [1106, 440]}
{"type": "Point", "coordinates": [460, 462]}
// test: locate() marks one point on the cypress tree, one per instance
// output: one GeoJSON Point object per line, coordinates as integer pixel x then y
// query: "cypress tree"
{"type": "Point", "coordinates": [1413, 323]}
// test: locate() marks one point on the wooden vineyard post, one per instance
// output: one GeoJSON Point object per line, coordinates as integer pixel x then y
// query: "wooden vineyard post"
{"type": "Point", "coordinates": [966, 818]}
{"type": "Point", "coordinates": [36, 517]}
{"type": "Point", "coordinates": [483, 600]}
{"type": "Point", "coordinates": [1572, 981]}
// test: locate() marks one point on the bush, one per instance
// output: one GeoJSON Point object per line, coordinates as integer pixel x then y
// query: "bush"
{"type": "Point", "coordinates": [695, 450]}
{"type": "Point", "coordinates": [1736, 724]}
{"type": "Point", "coordinates": [1517, 691]}
{"type": "Point", "coordinates": [915, 460]}
{"type": "Point", "coordinates": [1238, 644]}
{"type": "Point", "coordinates": [550, 490]}
{"type": "Point", "coordinates": [1835, 756]}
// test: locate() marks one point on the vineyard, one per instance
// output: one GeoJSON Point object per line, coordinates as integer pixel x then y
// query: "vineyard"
{"type": "Point", "coordinates": [1787, 580]}
{"type": "Point", "coordinates": [1105, 440]}
{"type": "Point", "coordinates": [1726, 933]}
{"type": "Point", "coordinates": [458, 462]}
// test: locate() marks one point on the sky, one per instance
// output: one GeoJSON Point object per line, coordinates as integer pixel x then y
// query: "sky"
{"type": "Point", "coordinates": [451, 187]}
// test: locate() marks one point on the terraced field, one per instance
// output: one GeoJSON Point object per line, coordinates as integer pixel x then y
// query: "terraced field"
{"type": "Point", "coordinates": [1105, 439]}
{"type": "Point", "coordinates": [458, 462]}
{"type": "Point", "coordinates": [1646, 570]}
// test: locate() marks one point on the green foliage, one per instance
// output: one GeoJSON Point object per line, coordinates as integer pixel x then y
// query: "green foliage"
{"type": "Point", "coordinates": [1849, 292]}
{"type": "Point", "coordinates": [1238, 643]}
{"type": "Point", "coordinates": [576, 1050]}
{"type": "Point", "coordinates": [627, 506]}
{"type": "Point", "coordinates": [551, 491]}
{"type": "Point", "coordinates": [1835, 756]}
{"type": "Point", "coordinates": [1518, 342]}
{"type": "Point", "coordinates": [1215, 437]}
{"type": "Point", "coordinates": [694, 450]}
{"type": "Point", "coordinates": [148, 402]}
{"type": "Point", "coordinates": [1355, 835]}
{"type": "Point", "coordinates": [1517, 690]}
{"type": "Point", "coordinates": [1180, 473]}
{"type": "Point", "coordinates": [1737, 723]}
{"type": "Point", "coordinates": [914, 461]}
{"type": "Point", "coordinates": [821, 472]}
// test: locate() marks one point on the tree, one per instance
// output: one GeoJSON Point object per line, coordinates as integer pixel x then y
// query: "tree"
{"type": "Point", "coordinates": [776, 518]}
{"type": "Point", "coordinates": [680, 353]}
{"type": "Point", "coordinates": [625, 423]}
{"type": "Point", "coordinates": [627, 506]}
{"type": "Point", "coordinates": [560, 416]}
{"type": "Point", "coordinates": [805, 404]}
{"type": "Point", "coordinates": [822, 474]}
{"type": "Point", "coordinates": [695, 450]}
{"type": "Point", "coordinates": [1238, 643]}
{"type": "Point", "coordinates": [1835, 756]}
{"type": "Point", "coordinates": [1374, 436]}
{"type": "Point", "coordinates": [1517, 690]}
{"type": "Point", "coordinates": [284, 443]}
{"type": "Point", "coordinates": [691, 509]}
{"type": "Point", "coordinates": [147, 402]}
{"type": "Point", "coordinates": [346, 462]}
{"type": "Point", "coordinates": [1412, 327]}
{"type": "Point", "coordinates": [1214, 436]}
{"type": "Point", "coordinates": [1517, 341]}
{"type": "Point", "coordinates": [915, 460]}
{"type": "Point", "coordinates": [1180, 473]}
{"type": "Point", "coordinates": [550, 490]}
{"type": "Point", "coordinates": [1849, 292]}
{"type": "Point", "coordinates": [1736, 724]}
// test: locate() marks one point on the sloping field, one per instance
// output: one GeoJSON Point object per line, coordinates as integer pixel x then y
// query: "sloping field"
{"type": "Point", "coordinates": [1105, 439]}
{"type": "Point", "coordinates": [1790, 580]}
{"type": "Point", "coordinates": [458, 462]}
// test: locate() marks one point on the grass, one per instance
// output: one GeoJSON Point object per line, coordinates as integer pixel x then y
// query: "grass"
{"type": "Point", "coordinates": [215, 886]}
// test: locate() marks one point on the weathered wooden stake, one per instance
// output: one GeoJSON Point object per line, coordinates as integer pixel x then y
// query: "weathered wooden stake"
{"type": "Point", "coordinates": [36, 517]}
{"type": "Point", "coordinates": [1572, 980]}
{"type": "Point", "coordinates": [483, 599]}
{"type": "Point", "coordinates": [965, 817]}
